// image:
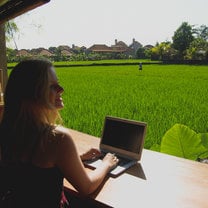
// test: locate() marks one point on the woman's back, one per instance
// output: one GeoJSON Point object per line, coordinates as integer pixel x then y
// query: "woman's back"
{"type": "Point", "coordinates": [27, 185]}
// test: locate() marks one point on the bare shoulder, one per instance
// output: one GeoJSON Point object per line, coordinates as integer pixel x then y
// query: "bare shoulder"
{"type": "Point", "coordinates": [62, 131]}
{"type": "Point", "coordinates": [64, 138]}
{"type": "Point", "coordinates": [66, 150]}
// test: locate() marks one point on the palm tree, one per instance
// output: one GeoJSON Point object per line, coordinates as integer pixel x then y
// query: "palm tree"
{"type": "Point", "coordinates": [10, 29]}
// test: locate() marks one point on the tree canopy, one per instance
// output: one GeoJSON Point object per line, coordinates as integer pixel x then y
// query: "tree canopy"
{"type": "Point", "coordinates": [183, 37]}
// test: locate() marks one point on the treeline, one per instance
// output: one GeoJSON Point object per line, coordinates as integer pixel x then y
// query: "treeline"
{"type": "Point", "coordinates": [189, 45]}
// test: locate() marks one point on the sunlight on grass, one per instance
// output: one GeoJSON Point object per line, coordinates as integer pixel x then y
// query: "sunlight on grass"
{"type": "Point", "coordinates": [160, 95]}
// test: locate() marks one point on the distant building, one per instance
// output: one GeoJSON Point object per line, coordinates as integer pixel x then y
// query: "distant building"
{"type": "Point", "coordinates": [120, 47]}
{"type": "Point", "coordinates": [23, 52]}
{"type": "Point", "coordinates": [99, 48]}
{"type": "Point", "coordinates": [135, 45]}
{"type": "Point", "coordinates": [45, 52]}
{"type": "Point", "coordinates": [66, 53]}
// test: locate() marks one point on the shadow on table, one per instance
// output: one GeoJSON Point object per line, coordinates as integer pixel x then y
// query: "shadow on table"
{"type": "Point", "coordinates": [137, 171]}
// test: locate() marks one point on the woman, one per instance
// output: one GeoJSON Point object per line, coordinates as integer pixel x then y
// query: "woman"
{"type": "Point", "coordinates": [38, 152]}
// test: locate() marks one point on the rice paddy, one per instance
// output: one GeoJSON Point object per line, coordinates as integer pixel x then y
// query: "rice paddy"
{"type": "Point", "coordinates": [161, 95]}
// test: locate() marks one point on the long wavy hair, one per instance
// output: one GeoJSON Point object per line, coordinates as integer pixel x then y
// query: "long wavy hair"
{"type": "Point", "coordinates": [28, 118]}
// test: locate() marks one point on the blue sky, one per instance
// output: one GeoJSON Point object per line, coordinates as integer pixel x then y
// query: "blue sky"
{"type": "Point", "coordinates": [88, 22]}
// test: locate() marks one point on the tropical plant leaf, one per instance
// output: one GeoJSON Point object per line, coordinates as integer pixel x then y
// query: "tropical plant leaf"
{"type": "Point", "coordinates": [155, 147]}
{"type": "Point", "coordinates": [182, 141]}
{"type": "Point", "coordinates": [204, 140]}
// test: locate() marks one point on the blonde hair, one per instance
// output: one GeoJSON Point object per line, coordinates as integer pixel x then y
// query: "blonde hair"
{"type": "Point", "coordinates": [28, 118]}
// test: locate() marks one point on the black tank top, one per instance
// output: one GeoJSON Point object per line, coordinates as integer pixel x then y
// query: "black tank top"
{"type": "Point", "coordinates": [26, 185]}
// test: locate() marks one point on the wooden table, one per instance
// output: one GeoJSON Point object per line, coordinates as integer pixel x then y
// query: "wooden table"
{"type": "Point", "coordinates": [158, 181]}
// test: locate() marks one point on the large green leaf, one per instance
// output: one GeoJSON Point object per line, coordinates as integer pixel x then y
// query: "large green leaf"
{"type": "Point", "coordinates": [155, 147]}
{"type": "Point", "coordinates": [183, 142]}
{"type": "Point", "coordinates": [204, 140]}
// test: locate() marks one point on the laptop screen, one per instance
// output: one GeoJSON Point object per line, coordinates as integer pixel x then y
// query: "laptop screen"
{"type": "Point", "coordinates": [124, 134]}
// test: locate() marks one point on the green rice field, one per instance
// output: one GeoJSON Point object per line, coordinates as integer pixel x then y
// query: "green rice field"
{"type": "Point", "coordinates": [161, 95]}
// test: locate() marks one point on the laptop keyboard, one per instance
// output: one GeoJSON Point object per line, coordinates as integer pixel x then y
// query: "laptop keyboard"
{"type": "Point", "coordinates": [123, 164]}
{"type": "Point", "coordinates": [122, 161]}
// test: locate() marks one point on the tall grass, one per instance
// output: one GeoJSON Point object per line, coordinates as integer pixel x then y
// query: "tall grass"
{"type": "Point", "coordinates": [160, 95]}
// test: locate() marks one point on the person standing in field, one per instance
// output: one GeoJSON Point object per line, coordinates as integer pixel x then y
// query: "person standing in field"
{"type": "Point", "coordinates": [36, 147]}
{"type": "Point", "coordinates": [140, 66]}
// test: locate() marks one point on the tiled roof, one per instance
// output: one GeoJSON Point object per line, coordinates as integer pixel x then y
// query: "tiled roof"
{"type": "Point", "coordinates": [45, 52]}
{"type": "Point", "coordinates": [121, 43]}
{"type": "Point", "coordinates": [100, 48]}
{"type": "Point", "coordinates": [117, 48]}
{"type": "Point", "coordinates": [66, 53]}
{"type": "Point", "coordinates": [23, 52]}
{"type": "Point", "coordinates": [104, 48]}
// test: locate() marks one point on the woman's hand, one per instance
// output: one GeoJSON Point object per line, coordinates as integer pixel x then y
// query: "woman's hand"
{"type": "Point", "coordinates": [91, 154]}
{"type": "Point", "coordinates": [111, 160]}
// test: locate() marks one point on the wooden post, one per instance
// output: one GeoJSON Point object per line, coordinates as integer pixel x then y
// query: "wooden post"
{"type": "Point", "coordinates": [3, 67]}
{"type": "Point", "coordinates": [1, 95]}
{"type": "Point", "coordinates": [1, 89]}
{"type": "Point", "coordinates": [3, 58]}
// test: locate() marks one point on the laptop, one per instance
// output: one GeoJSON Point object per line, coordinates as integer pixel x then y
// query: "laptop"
{"type": "Point", "coordinates": [123, 137]}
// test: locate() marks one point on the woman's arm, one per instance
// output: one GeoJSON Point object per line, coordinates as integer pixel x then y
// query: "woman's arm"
{"type": "Point", "coordinates": [69, 162]}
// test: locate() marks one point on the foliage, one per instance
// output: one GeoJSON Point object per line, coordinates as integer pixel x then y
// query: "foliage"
{"type": "Point", "coordinates": [163, 51]}
{"type": "Point", "coordinates": [198, 50]}
{"type": "Point", "coordinates": [183, 37]}
{"type": "Point", "coordinates": [201, 32]}
{"type": "Point", "coordinates": [10, 29]}
{"type": "Point", "coordinates": [11, 55]}
{"type": "Point", "coordinates": [147, 53]}
{"type": "Point", "coordinates": [189, 43]}
{"type": "Point", "coordinates": [140, 53]}
{"type": "Point", "coordinates": [182, 141]}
